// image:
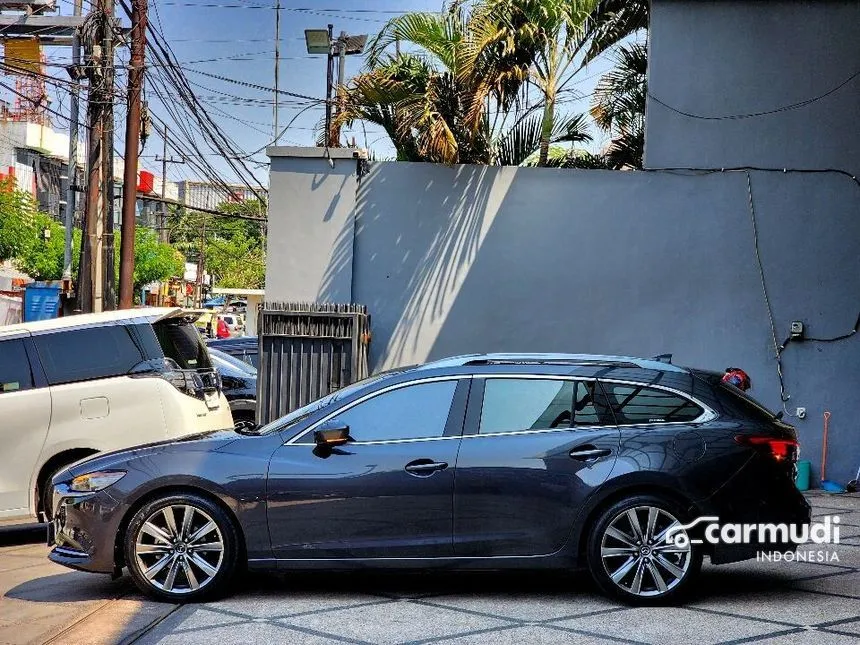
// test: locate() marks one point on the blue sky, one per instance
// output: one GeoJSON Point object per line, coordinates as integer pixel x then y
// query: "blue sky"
{"type": "Point", "coordinates": [240, 34]}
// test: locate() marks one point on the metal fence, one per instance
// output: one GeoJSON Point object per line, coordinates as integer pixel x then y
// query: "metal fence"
{"type": "Point", "coordinates": [308, 351]}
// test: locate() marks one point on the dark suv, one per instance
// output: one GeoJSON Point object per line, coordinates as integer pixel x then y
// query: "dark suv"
{"type": "Point", "coordinates": [493, 461]}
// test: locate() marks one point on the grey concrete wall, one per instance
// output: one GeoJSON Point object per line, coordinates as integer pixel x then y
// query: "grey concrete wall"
{"type": "Point", "coordinates": [732, 57]}
{"type": "Point", "coordinates": [311, 207]}
{"type": "Point", "coordinates": [464, 259]}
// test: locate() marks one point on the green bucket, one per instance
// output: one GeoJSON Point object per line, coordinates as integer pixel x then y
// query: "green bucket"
{"type": "Point", "coordinates": [803, 472]}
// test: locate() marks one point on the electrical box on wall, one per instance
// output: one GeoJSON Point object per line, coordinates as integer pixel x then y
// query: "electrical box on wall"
{"type": "Point", "coordinates": [796, 330]}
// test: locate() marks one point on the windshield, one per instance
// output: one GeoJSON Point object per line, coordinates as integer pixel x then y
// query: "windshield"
{"type": "Point", "coordinates": [222, 359]}
{"type": "Point", "coordinates": [303, 412]}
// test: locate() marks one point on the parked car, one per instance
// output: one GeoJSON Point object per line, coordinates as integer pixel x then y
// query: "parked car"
{"type": "Point", "coordinates": [75, 386]}
{"type": "Point", "coordinates": [235, 323]}
{"type": "Point", "coordinates": [205, 322]}
{"type": "Point", "coordinates": [492, 461]}
{"type": "Point", "coordinates": [239, 384]}
{"type": "Point", "coordinates": [245, 348]}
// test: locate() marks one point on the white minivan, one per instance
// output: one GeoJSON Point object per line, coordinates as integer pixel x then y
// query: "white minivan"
{"type": "Point", "coordinates": [78, 385]}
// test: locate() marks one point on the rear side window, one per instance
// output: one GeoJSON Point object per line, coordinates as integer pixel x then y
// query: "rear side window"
{"type": "Point", "coordinates": [634, 404]}
{"type": "Point", "coordinates": [15, 374]}
{"type": "Point", "coordinates": [86, 354]}
{"type": "Point", "coordinates": [182, 342]}
{"type": "Point", "coordinates": [514, 405]}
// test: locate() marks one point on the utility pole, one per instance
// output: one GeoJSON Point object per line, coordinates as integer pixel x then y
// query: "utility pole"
{"type": "Point", "coordinates": [276, 98]}
{"type": "Point", "coordinates": [132, 142]}
{"type": "Point", "coordinates": [162, 224]}
{"type": "Point", "coordinates": [108, 192]}
{"type": "Point", "coordinates": [71, 181]}
{"type": "Point", "coordinates": [328, 82]}
{"type": "Point", "coordinates": [201, 265]}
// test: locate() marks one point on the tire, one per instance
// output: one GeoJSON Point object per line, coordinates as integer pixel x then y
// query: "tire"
{"type": "Point", "coordinates": [164, 557]}
{"type": "Point", "coordinates": [642, 568]}
{"type": "Point", "coordinates": [244, 420]}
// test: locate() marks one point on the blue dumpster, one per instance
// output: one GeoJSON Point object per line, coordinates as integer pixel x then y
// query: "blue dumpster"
{"type": "Point", "coordinates": [41, 301]}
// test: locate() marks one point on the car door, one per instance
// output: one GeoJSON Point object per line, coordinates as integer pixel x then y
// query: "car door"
{"type": "Point", "coordinates": [387, 493]}
{"type": "Point", "coordinates": [25, 411]}
{"type": "Point", "coordinates": [534, 449]}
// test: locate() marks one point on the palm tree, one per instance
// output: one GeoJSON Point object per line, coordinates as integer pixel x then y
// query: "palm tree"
{"type": "Point", "coordinates": [449, 98]}
{"type": "Point", "coordinates": [618, 106]}
{"type": "Point", "coordinates": [426, 99]}
{"type": "Point", "coordinates": [611, 22]}
{"type": "Point", "coordinates": [549, 32]}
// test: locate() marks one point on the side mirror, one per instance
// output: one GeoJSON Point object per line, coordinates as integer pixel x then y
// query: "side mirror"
{"type": "Point", "coordinates": [331, 434]}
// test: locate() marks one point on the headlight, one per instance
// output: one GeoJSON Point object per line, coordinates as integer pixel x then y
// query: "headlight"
{"type": "Point", "coordinates": [91, 482]}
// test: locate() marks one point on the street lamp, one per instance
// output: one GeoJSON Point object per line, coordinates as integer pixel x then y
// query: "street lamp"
{"type": "Point", "coordinates": [319, 41]}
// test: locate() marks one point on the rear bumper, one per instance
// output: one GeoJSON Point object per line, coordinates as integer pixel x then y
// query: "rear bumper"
{"type": "Point", "coordinates": [84, 529]}
{"type": "Point", "coordinates": [757, 496]}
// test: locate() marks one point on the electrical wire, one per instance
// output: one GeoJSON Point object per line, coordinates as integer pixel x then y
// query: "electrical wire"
{"type": "Point", "coordinates": [749, 115]}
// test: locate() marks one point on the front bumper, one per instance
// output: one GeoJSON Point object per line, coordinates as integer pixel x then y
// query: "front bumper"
{"type": "Point", "coordinates": [83, 531]}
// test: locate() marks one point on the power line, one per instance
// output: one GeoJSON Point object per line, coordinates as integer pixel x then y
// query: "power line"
{"type": "Point", "coordinates": [749, 115]}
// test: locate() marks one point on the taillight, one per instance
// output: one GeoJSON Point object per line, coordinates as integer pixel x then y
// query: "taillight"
{"type": "Point", "coordinates": [783, 450]}
{"type": "Point", "coordinates": [196, 383]}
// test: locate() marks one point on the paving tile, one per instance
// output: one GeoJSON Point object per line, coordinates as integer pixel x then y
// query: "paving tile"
{"type": "Point", "coordinates": [782, 605]}
{"type": "Point", "coordinates": [846, 585]}
{"type": "Point", "coordinates": [808, 638]}
{"type": "Point", "coordinates": [661, 625]}
{"type": "Point", "coordinates": [532, 635]}
{"type": "Point", "coordinates": [850, 628]}
{"type": "Point", "coordinates": [396, 622]}
{"type": "Point", "coordinates": [529, 607]}
{"type": "Point", "coordinates": [286, 603]}
{"type": "Point", "coordinates": [115, 622]}
{"type": "Point", "coordinates": [264, 633]}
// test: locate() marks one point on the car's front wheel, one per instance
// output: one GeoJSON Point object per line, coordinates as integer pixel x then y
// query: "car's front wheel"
{"type": "Point", "coordinates": [638, 554]}
{"type": "Point", "coordinates": [181, 548]}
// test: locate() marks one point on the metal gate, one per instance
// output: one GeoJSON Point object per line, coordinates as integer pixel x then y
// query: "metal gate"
{"type": "Point", "coordinates": [306, 352]}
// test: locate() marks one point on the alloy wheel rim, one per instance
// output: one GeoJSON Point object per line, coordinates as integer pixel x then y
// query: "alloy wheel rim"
{"type": "Point", "coordinates": [179, 549]}
{"type": "Point", "coordinates": [637, 556]}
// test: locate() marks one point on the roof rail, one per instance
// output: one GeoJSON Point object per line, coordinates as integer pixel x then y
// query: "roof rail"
{"type": "Point", "coordinates": [658, 363]}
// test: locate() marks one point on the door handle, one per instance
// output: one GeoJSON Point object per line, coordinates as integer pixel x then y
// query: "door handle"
{"type": "Point", "coordinates": [589, 453]}
{"type": "Point", "coordinates": [425, 467]}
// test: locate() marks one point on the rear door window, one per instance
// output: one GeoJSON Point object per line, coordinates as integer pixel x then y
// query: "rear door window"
{"type": "Point", "coordinates": [637, 404]}
{"type": "Point", "coordinates": [15, 372]}
{"type": "Point", "coordinates": [182, 342]}
{"type": "Point", "coordinates": [514, 405]}
{"type": "Point", "coordinates": [87, 354]}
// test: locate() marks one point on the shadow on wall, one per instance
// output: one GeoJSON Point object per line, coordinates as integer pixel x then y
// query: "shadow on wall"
{"type": "Point", "coordinates": [340, 260]}
{"type": "Point", "coordinates": [419, 227]}
{"type": "Point", "coordinates": [481, 259]}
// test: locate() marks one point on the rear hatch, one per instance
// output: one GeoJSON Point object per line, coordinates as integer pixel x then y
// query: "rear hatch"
{"type": "Point", "coordinates": [182, 344]}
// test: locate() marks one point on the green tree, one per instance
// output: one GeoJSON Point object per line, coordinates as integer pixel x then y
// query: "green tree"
{"type": "Point", "coordinates": [618, 106]}
{"type": "Point", "coordinates": [32, 240]}
{"type": "Point", "coordinates": [549, 33]}
{"type": "Point", "coordinates": [233, 244]}
{"type": "Point", "coordinates": [153, 260]}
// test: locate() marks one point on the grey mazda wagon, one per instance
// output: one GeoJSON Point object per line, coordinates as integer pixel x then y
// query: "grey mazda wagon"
{"type": "Point", "coordinates": [497, 461]}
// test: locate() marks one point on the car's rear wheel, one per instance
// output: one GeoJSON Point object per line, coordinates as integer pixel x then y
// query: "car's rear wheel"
{"type": "Point", "coordinates": [638, 553]}
{"type": "Point", "coordinates": [181, 548]}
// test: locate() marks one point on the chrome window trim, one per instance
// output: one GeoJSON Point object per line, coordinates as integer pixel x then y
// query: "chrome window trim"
{"type": "Point", "coordinates": [707, 415]}
{"type": "Point", "coordinates": [370, 395]}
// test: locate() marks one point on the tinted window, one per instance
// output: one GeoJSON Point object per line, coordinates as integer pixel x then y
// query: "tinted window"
{"type": "Point", "coordinates": [591, 407]}
{"type": "Point", "coordinates": [182, 342]}
{"type": "Point", "coordinates": [84, 354]}
{"type": "Point", "coordinates": [640, 404]}
{"type": "Point", "coordinates": [15, 371]}
{"type": "Point", "coordinates": [512, 405]}
{"type": "Point", "coordinates": [412, 412]}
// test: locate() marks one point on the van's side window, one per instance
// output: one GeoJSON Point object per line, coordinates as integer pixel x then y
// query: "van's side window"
{"type": "Point", "coordinates": [85, 354]}
{"type": "Point", "coordinates": [15, 374]}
